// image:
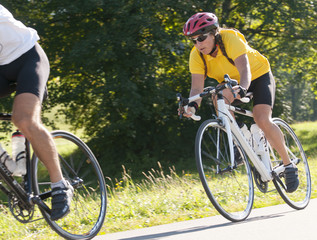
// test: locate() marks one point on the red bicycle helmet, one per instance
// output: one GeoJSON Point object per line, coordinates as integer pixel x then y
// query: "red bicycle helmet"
{"type": "Point", "coordinates": [200, 23]}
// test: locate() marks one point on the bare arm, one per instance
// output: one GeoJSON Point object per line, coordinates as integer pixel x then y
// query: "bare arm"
{"type": "Point", "coordinates": [243, 66]}
{"type": "Point", "coordinates": [196, 88]}
{"type": "Point", "coordinates": [197, 85]}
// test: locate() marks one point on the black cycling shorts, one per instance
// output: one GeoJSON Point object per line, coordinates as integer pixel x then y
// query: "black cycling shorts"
{"type": "Point", "coordinates": [27, 74]}
{"type": "Point", "coordinates": [263, 89]}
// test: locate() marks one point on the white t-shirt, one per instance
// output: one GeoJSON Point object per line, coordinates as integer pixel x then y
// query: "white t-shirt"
{"type": "Point", "coordinates": [15, 38]}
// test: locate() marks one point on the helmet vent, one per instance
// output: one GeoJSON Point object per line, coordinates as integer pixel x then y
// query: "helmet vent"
{"type": "Point", "coordinates": [195, 24]}
{"type": "Point", "coordinates": [200, 23]}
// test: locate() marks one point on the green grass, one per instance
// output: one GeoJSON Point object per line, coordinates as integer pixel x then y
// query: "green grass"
{"type": "Point", "coordinates": [307, 133]}
{"type": "Point", "coordinates": [161, 197]}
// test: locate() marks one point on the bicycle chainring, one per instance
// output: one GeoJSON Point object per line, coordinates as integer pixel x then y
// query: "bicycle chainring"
{"type": "Point", "coordinates": [22, 214]}
{"type": "Point", "coordinates": [262, 186]}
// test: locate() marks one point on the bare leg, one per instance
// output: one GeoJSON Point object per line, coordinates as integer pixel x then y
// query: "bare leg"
{"type": "Point", "coordinates": [26, 115]}
{"type": "Point", "coordinates": [262, 116]}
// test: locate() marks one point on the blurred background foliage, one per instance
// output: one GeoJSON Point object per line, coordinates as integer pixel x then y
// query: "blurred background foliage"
{"type": "Point", "coordinates": [116, 66]}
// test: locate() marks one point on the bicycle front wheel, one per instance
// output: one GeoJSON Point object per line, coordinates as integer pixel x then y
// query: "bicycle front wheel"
{"type": "Point", "coordinates": [81, 169]}
{"type": "Point", "coordinates": [229, 190]}
{"type": "Point", "coordinates": [300, 198]}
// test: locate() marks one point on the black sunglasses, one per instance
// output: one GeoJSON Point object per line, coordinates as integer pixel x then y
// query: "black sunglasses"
{"type": "Point", "coordinates": [200, 38]}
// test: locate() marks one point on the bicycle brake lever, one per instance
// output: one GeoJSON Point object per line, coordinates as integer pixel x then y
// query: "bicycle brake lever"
{"type": "Point", "coordinates": [179, 97]}
{"type": "Point", "coordinates": [229, 85]}
{"type": "Point", "coordinates": [227, 78]}
{"type": "Point", "coordinates": [233, 93]}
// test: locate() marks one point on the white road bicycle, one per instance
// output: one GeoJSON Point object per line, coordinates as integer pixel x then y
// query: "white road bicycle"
{"type": "Point", "coordinates": [229, 184]}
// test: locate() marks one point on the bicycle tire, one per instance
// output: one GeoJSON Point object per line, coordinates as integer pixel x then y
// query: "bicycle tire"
{"type": "Point", "coordinates": [77, 161]}
{"type": "Point", "coordinates": [300, 198]}
{"type": "Point", "coordinates": [230, 192]}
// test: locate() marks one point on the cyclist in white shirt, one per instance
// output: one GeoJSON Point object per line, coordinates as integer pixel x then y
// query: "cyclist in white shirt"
{"type": "Point", "coordinates": [24, 68]}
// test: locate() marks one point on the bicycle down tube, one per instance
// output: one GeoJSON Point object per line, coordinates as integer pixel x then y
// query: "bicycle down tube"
{"type": "Point", "coordinates": [231, 125]}
{"type": "Point", "coordinates": [227, 163]}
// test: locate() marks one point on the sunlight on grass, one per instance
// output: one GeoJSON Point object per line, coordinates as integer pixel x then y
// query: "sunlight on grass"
{"type": "Point", "coordinates": [161, 197]}
{"type": "Point", "coordinates": [307, 133]}
{"type": "Point", "coordinates": [157, 199]}
{"type": "Point", "coordinates": [165, 198]}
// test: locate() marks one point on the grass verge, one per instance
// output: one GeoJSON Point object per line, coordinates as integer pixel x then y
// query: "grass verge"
{"type": "Point", "coordinates": [161, 197]}
{"type": "Point", "coordinates": [166, 198]}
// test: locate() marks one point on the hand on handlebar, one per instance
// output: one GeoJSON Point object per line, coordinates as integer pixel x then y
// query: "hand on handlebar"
{"type": "Point", "coordinates": [188, 112]}
{"type": "Point", "coordinates": [187, 109]}
{"type": "Point", "coordinates": [237, 91]}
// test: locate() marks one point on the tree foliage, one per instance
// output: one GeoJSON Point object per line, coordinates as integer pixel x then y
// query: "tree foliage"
{"type": "Point", "coordinates": [116, 66]}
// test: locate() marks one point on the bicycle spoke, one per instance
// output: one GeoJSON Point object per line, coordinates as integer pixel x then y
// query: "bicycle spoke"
{"type": "Point", "coordinates": [300, 198]}
{"type": "Point", "coordinates": [88, 206]}
{"type": "Point", "coordinates": [229, 190]}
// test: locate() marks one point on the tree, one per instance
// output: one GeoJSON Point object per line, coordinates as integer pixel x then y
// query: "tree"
{"type": "Point", "coordinates": [117, 65]}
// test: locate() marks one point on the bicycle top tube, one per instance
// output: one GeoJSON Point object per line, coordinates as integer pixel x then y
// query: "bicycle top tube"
{"type": "Point", "coordinates": [239, 110]}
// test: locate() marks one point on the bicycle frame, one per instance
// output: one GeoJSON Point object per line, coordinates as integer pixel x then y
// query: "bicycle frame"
{"type": "Point", "coordinates": [25, 195]}
{"type": "Point", "coordinates": [232, 127]}
{"type": "Point", "coordinates": [80, 168]}
{"type": "Point", "coordinates": [229, 123]}
{"type": "Point", "coordinates": [224, 155]}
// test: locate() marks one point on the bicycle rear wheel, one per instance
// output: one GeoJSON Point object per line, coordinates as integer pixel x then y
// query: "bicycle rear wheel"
{"type": "Point", "coordinates": [81, 169]}
{"type": "Point", "coordinates": [300, 198]}
{"type": "Point", "coordinates": [229, 190]}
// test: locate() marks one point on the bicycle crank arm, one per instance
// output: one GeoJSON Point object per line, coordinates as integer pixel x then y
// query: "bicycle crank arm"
{"type": "Point", "coordinates": [277, 178]}
{"type": "Point", "coordinates": [38, 201]}
{"type": "Point", "coordinates": [280, 169]}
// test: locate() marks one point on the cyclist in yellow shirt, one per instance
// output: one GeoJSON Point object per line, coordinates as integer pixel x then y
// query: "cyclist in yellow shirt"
{"type": "Point", "coordinates": [218, 51]}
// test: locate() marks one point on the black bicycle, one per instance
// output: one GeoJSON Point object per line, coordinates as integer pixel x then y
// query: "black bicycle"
{"type": "Point", "coordinates": [79, 167]}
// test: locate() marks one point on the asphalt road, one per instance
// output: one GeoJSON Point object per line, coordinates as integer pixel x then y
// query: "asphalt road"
{"type": "Point", "coordinates": [270, 223]}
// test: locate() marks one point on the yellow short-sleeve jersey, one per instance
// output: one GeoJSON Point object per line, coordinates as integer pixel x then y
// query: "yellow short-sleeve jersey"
{"type": "Point", "coordinates": [235, 45]}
